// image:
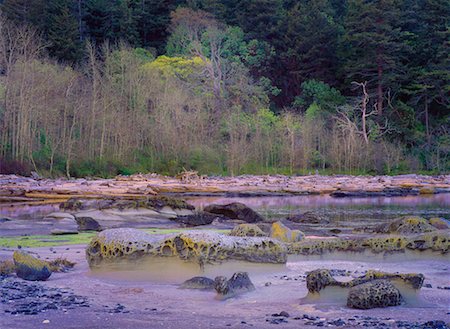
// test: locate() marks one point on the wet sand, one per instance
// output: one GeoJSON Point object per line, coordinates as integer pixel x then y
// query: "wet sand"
{"type": "Point", "coordinates": [156, 303]}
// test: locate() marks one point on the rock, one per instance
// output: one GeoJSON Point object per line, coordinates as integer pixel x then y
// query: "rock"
{"type": "Point", "coordinates": [318, 279]}
{"type": "Point", "coordinates": [7, 267]}
{"type": "Point", "coordinates": [406, 225]}
{"type": "Point", "coordinates": [247, 230]}
{"type": "Point", "coordinates": [239, 283]}
{"type": "Point", "coordinates": [30, 268]}
{"type": "Point", "coordinates": [436, 241]}
{"type": "Point", "coordinates": [282, 233]}
{"type": "Point", "coordinates": [235, 210]}
{"type": "Point", "coordinates": [197, 219]}
{"type": "Point", "coordinates": [308, 217]}
{"type": "Point", "coordinates": [321, 278]}
{"type": "Point", "coordinates": [87, 224]}
{"type": "Point", "coordinates": [148, 202]}
{"type": "Point", "coordinates": [58, 231]}
{"type": "Point", "coordinates": [5, 219]}
{"type": "Point", "coordinates": [198, 282]}
{"type": "Point", "coordinates": [197, 246]}
{"type": "Point", "coordinates": [378, 293]}
{"type": "Point", "coordinates": [439, 223]}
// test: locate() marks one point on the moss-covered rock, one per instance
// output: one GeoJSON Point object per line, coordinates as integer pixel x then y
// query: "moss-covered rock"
{"type": "Point", "coordinates": [235, 210]}
{"type": "Point", "coordinates": [407, 225]}
{"type": "Point", "coordinates": [247, 230]}
{"type": "Point", "coordinates": [197, 219]}
{"type": "Point", "coordinates": [197, 246]}
{"type": "Point", "coordinates": [378, 293]}
{"type": "Point", "coordinates": [7, 267]}
{"type": "Point", "coordinates": [238, 283]}
{"type": "Point", "coordinates": [30, 268]}
{"type": "Point", "coordinates": [281, 232]}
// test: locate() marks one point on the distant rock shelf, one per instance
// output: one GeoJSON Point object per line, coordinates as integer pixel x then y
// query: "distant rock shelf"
{"type": "Point", "coordinates": [22, 189]}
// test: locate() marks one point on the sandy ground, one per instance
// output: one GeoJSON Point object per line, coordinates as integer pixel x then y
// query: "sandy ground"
{"type": "Point", "coordinates": [160, 304]}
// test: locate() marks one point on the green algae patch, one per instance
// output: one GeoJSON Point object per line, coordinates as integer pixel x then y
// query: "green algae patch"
{"type": "Point", "coordinates": [31, 268]}
{"type": "Point", "coordinates": [35, 241]}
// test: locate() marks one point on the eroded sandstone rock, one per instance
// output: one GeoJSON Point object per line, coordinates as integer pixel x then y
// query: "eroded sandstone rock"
{"type": "Point", "coordinates": [281, 232]}
{"type": "Point", "coordinates": [378, 293]}
{"type": "Point", "coordinates": [198, 282]}
{"type": "Point", "coordinates": [198, 246]}
{"type": "Point", "coordinates": [247, 230]}
{"type": "Point", "coordinates": [407, 225]}
{"type": "Point", "coordinates": [238, 283]}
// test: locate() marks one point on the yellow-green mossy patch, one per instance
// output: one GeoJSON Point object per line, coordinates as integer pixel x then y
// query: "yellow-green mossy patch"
{"type": "Point", "coordinates": [439, 223]}
{"type": "Point", "coordinates": [281, 232]}
{"type": "Point", "coordinates": [197, 246]}
{"type": "Point", "coordinates": [247, 230]}
{"type": "Point", "coordinates": [30, 268]}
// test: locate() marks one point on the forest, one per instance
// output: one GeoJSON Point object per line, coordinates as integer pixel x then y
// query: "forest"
{"type": "Point", "coordinates": [224, 87]}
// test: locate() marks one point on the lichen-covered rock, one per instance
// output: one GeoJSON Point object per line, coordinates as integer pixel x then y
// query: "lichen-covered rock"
{"type": "Point", "coordinates": [436, 241]}
{"type": "Point", "coordinates": [30, 268]}
{"type": "Point", "coordinates": [198, 282]}
{"type": "Point", "coordinates": [87, 224]}
{"type": "Point", "coordinates": [322, 278]}
{"type": "Point", "coordinates": [247, 230]}
{"type": "Point", "coordinates": [439, 223]}
{"type": "Point", "coordinates": [378, 293]}
{"type": "Point", "coordinates": [318, 279]}
{"type": "Point", "coordinates": [198, 246]}
{"type": "Point", "coordinates": [197, 219]}
{"type": "Point", "coordinates": [308, 217]}
{"type": "Point", "coordinates": [235, 210]}
{"type": "Point", "coordinates": [281, 232]}
{"type": "Point", "coordinates": [239, 283]}
{"type": "Point", "coordinates": [406, 225]}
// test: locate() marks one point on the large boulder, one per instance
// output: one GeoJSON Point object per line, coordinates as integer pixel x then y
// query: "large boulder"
{"type": "Point", "coordinates": [378, 293]}
{"type": "Point", "coordinates": [235, 210]}
{"type": "Point", "coordinates": [30, 268]}
{"type": "Point", "coordinates": [202, 247]}
{"type": "Point", "coordinates": [281, 232]}
{"type": "Point", "coordinates": [406, 225]}
{"type": "Point", "coordinates": [247, 230]}
{"type": "Point", "coordinates": [239, 283]}
{"type": "Point", "coordinates": [197, 218]}
{"type": "Point", "coordinates": [198, 282]}
{"type": "Point", "coordinates": [308, 217]}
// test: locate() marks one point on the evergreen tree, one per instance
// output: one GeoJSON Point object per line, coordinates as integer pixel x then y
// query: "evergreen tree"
{"type": "Point", "coordinates": [372, 45]}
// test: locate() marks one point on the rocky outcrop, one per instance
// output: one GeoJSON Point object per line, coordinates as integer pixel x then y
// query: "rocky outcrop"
{"type": "Point", "coordinates": [407, 225]}
{"type": "Point", "coordinates": [147, 202]}
{"type": "Point", "coordinates": [438, 241]}
{"type": "Point", "coordinates": [197, 219]}
{"type": "Point", "coordinates": [87, 224]}
{"type": "Point", "coordinates": [378, 293]}
{"type": "Point", "coordinates": [281, 232]}
{"type": "Point", "coordinates": [247, 230]}
{"type": "Point", "coordinates": [235, 210]}
{"type": "Point", "coordinates": [30, 268]}
{"type": "Point", "coordinates": [198, 282]}
{"type": "Point", "coordinates": [197, 246]}
{"type": "Point", "coordinates": [308, 217]}
{"type": "Point", "coordinates": [239, 283]}
{"type": "Point", "coordinates": [319, 279]}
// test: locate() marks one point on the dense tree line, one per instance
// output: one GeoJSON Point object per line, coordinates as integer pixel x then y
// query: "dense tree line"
{"type": "Point", "coordinates": [265, 85]}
